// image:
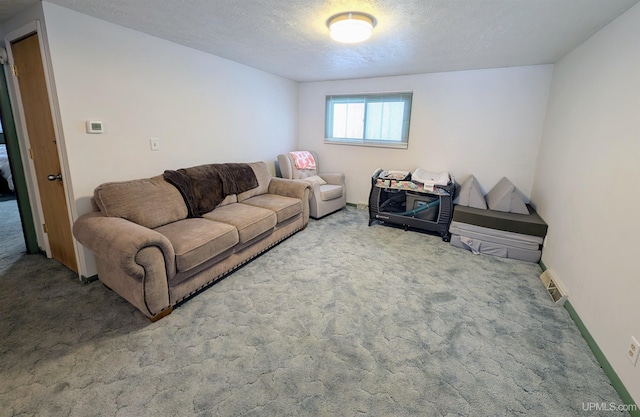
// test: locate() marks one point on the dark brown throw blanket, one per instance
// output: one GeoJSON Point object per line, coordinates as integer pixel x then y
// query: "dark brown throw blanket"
{"type": "Point", "coordinates": [203, 187]}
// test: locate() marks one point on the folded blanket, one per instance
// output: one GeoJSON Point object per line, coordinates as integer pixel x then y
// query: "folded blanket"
{"type": "Point", "coordinates": [303, 160]}
{"type": "Point", "coordinates": [430, 178]}
{"type": "Point", "coordinates": [203, 187]}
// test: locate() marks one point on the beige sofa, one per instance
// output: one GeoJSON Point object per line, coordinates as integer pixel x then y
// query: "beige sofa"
{"type": "Point", "coordinates": [150, 252]}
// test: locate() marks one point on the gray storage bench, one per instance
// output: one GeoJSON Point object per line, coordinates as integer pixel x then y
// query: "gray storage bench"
{"type": "Point", "coordinates": [508, 235]}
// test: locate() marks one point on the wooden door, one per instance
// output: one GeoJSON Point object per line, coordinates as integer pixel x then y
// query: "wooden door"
{"type": "Point", "coordinates": [29, 71]}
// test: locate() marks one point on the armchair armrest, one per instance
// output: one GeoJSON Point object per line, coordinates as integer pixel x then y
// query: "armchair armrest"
{"type": "Point", "coordinates": [333, 178]}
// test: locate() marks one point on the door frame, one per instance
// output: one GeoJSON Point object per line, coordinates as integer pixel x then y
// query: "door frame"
{"type": "Point", "coordinates": [35, 27]}
{"type": "Point", "coordinates": [17, 168]}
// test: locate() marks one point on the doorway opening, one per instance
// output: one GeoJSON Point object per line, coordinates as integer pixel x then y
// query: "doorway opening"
{"type": "Point", "coordinates": [17, 212]}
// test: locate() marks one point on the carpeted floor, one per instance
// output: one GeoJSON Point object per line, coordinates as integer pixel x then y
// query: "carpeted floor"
{"type": "Point", "coordinates": [7, 196]}
{"type": "Point", "coordinates": [11, 237]}
{"type": "Point", "coordinates": [342, 319]}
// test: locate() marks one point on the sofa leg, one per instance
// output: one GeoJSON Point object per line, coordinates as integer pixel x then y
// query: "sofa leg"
{"type": "Point", "coordinates": [161, 314]}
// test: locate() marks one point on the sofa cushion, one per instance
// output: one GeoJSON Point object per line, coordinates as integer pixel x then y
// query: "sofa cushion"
{"type": "Point", "coordinates": [284, 207]}
{"type": "Point", "coordinates": [263, 176]}
{"type": "Point", "coordinates": [139, 201]}
{"type": "Point", "coordinates": [329, 192]}
{"type": "Point", "coordinates": [230, 199]}
{"type": "Point", "coordinates": [250, 221]}
{"type": "Point", "coordinates": [198, 240]}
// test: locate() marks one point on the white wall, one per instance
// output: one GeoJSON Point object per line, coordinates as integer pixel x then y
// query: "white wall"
{"type": "Point", "coordinates": [203, 108]}
{"type": "Point", "coordinates": [486, 122]}
{"type": "Point", "coordinates": [586, 186]}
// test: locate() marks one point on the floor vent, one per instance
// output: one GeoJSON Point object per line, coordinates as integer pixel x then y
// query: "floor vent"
{"type": "Point", "coordinates": [555, 290]}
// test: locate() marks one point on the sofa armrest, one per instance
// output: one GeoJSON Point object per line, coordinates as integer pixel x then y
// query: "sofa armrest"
{"type": "Point", "coordinates": [295, 189]}
{"type": "Point", "coordinates": [333, 178]}
{"type": "Point", "coordinates": [290, 188]}
{"type": "Point", "coordinates": [119, 241]}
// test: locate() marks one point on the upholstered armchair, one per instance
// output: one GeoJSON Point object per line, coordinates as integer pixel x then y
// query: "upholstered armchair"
{"type": "Point", "coordinates": [329, 190]}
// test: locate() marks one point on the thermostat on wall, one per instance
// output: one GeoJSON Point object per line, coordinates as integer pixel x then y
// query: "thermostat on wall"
{"type": "Point", "coordinates": [95, 126]}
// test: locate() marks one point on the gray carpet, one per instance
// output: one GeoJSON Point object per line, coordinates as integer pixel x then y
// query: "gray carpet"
{"type": "Point", "coordinates": [11, 237]}
{"type": "Point", "coordinates": [342, 319]}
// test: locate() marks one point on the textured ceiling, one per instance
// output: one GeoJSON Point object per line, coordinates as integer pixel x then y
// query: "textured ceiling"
{"type": "Point", "coordinates": [290, 38]}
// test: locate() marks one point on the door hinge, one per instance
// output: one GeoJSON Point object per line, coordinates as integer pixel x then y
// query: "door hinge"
{"type": "Point", "coordinates": [30, 153]}
{"type": "Point", "coordinates": [14, 69]}
{"type": "Point", "coordinates": [44, 227]}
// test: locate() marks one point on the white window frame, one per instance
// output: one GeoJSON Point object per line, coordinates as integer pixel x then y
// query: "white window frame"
{"type": "Point", "coordinates": [404, 97]}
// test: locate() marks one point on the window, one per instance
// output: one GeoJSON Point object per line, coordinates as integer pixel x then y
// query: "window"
{"type": "Point", "coordinates": [369, 119]}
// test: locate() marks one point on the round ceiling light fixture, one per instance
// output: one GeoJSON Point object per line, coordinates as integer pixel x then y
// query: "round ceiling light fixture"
{"type": "Point", "coordinates": [351, 27]}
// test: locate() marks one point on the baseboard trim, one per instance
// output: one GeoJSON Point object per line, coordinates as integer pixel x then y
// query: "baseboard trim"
{"type": "Point", "coordinates": [88, 280]}
{"type": "Point", "coordinates": [602, 360]}
{"type": "Point", "coordinates": [542, 265]}
{"type": "Point", "coordinates": [604, 363]}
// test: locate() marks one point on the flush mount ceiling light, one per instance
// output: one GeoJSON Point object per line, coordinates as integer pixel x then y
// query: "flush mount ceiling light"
{"type": "Point", "coordinates": [351, 27]}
